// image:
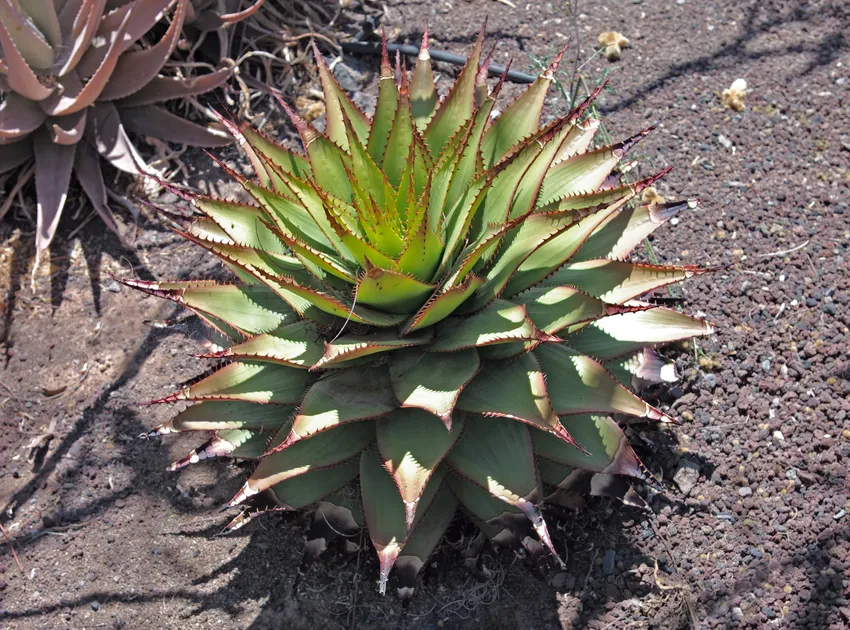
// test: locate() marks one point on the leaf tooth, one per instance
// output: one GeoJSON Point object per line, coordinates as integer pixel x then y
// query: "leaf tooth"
{"type": "Point", "coordinates": [245, 492]}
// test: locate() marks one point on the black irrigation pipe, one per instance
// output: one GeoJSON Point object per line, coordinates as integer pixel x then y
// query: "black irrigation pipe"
{"type": "Point", "coordinates": [495, 70]}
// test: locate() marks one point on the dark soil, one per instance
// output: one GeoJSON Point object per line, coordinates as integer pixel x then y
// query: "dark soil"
{"type": "Point", "coordinates": [752, 528]}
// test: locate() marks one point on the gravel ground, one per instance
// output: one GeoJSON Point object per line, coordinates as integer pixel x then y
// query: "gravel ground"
{"type": "Point", "coordinates": [752, 528]}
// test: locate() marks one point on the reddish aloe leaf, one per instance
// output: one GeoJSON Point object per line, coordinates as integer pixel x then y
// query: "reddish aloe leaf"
{"type": "Point", "coordinates": [134, 70]}
{"type": "Point", "coordinates": [20, 76]}
{"type": "Point", "coordinates": [14, 154]}
{"type": "Point", "coordinates": [19, 117]}
{"type": "Point", "coordinates": [87, 170]}
{"type": "Point", "coordinates": [67, 129]}
{"type": "Point", "coordinates": [80, 20]}
{"type": "Point", "coordinates": [26, 37]}
{"type": "Point", "coordinates": [105, 133]}
{"type": "Point", "coordinates": [161, 89]}
{"type": "Point", "coordinates": [53, 163]}
{"type": "Point", "coordinates": [158, 122]}
{"type": "Point", "coordinates": [78, 95]}
{"type": "Point", "coordinates": [213, 20]}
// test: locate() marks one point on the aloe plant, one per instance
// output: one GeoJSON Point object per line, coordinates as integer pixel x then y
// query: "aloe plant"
{"type": "Point", "coordinates": [75, 78]}
{"type": "Point", "coordinates": [433, 303]}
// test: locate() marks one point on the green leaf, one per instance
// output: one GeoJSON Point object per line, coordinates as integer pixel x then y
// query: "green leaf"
{"type": "Point", "coordinates": [248, 381]}
{"type": "Point", "coordinates": [438, 308]}
{"type": "Point", "coordinates": [318, 263]}
{"type": "Point", "coordinates": [296, 345]}
{"type": "Point", "coordinates": [520, 120]}
{"type": "Point", "coordinates": [384, 511]}
{"type": "Point", "coordinates": [496, 454]}
{"type": "Point", "coordinates": [314, 485]}
{"type": "Point", "coordinates": [400, 144]}
{"type": "Point", "coordinates": [338, 105]}
{"type": "Point", "coordinates": [513, 389]}
{"type": "Point", "coordinates": [421, 255]}
{"type": "Point", "coordinates": [618, 335]}
{"type": "Point", "coordinates": [554, 308]}
{"type": "Point", "coordinates": [432, 382]}
{"type": "Point", "coordinates": [247, 310]}
{"type": "Point", "coordinates": [617, 282]}
{"type": "Point", "coordinates": [458, 106]}
{"type": "Point", "coordinates": [327, 160]}
{"type": "Point", "coordinates": [350, 347]}
{"type": "Point", "coordinates": [578, 384]}
{"type": "Point", "coordinates": [214, 415]}
{"type": "Point", "coordinates": [391, 291]}
{"type": "Point", "coordinates": [384, 111]}
{"type": "Point", "coordinates": [291, 218]}
{"type": "Point", "coordinates": [584, 173]}
{"type": "Point", "coordinates": [619, 235]}
{"type": "Point", "coordinates": [267, 150]}
{"type": "Point", "coordinates": [412, 443]}
{"type": "Point", "coordinates": [556, 251]}
{"type": "Point", "coordinates": [423, 92]}
{"type": "Point", "coordinates": [607, 447]}
{"type": "Point", "coordinates": [242, 223]}
{"type": "Point", "coordinates": [518, 245]}
{"type": "Point", "coordinates": [319, 452]}
{"type": "Point", "coordinates": [578, 139]}
{"type": "Point", "coordinates": [341, 397]}
{"type": "Point", "coordinates": [424, 538]}
{"type": "Point", "coordinates": [302, 298]}
{"type": "Point", "coordinates": [588, 200]}
{"type": "Point", "coordinates": [500, 322]}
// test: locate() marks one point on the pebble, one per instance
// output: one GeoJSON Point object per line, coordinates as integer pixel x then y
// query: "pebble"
{"type": "Point", "coordinates": [95, 605]}
{"type": "Point", "coordinates": [765, 365]}
{"type": "Point", "coordinates": [777, 435]}
{"type": "Point", "coordinates": [710, 380]}
{"type": "Point", "coordinates": [687, 476]}
{"type": "Point", "coordinates": [839, 515]}
{"type": "Point", "coordinates": [113, 287]}
{"type": "Point", "coordinates": [737, 613]}
{"type": "Point", "coordinates": [725, 142]}
{"type": "Point", "coordinates": [745, 492]}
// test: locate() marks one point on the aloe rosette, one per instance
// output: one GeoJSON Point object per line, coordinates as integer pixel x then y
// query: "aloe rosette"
{"type": "Point", "coordinates": [433, 302]}
{"type": "Point", "coordinates": [77, 75]}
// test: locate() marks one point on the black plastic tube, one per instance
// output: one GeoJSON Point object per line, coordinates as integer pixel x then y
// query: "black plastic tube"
{"type": "Point", "coordinates": [495, 70]}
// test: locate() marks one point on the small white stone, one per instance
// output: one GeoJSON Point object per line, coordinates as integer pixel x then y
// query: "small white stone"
{"type": "Point", "coordinates": [777, 435]}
